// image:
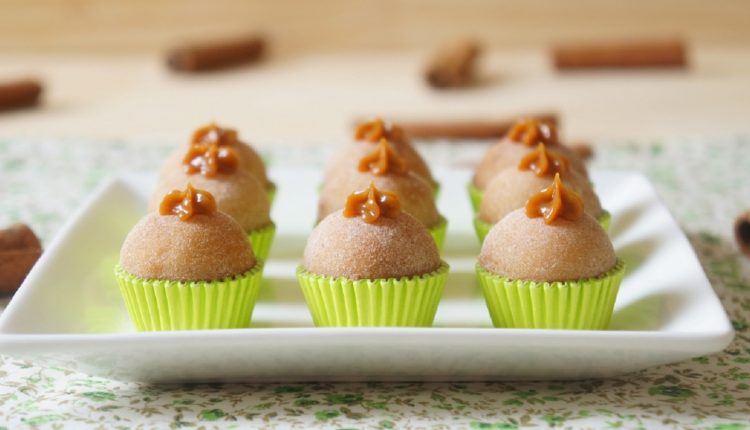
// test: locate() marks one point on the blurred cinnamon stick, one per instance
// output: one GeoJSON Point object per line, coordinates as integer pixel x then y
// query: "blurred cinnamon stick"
{"type": "Point", "coordinates": [19, 250]}
{"type": "Point", "coordinates": [454, 65]}
{"type": "Point", "coordinates": [467, 129]}
{"type": "Point", "coordinates": [216, 55]}
{"type": "Point", "coordinates": [742, 232]}
{"type": "Point", "coordinates": [625, 54]}
{"type": "Point", "coordinates": [18, 94]}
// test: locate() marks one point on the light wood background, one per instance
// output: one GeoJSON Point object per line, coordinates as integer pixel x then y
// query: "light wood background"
{"type": "Point", "coordinates": [335, 25]}
{"type": "Point", "coordinates": [334, 60]}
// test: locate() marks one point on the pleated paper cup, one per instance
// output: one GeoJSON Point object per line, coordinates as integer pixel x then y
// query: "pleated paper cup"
{"type": "Point", "coordinates": [261, 240]}
{"type": "Point", "coordinates": [475, 195]}
{"type": "Point", "coordinates": [584, 305]}
{"type": "Point", "coordinates": [438, 233]}
{"type": "Point", "coordinates": [342, 302]}
{"type": "Point", "coordinates": [156, 305]}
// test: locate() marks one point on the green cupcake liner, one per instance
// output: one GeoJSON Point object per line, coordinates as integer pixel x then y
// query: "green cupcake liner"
{"type": "Point", "coordinates": [482, 228]}
{"type": "Point", "coordinates": [271, 192]}
{"type": "Point", "coordinates": [475, 195]}
{"type": "Point", "coordinates": [342, 302]}
{"type": "Point", "coordinates": [156, 305]}
{"type": "Point", "coordinates": [261, 240]}
{"type": "Point", "coordinates": [604, 220]}
{"type": "Point", "coordinates": [583, 305]}
{"type": "Point", "coordinates": [438, 233]}
{"type": "Point", "coordinates": [435, 189]}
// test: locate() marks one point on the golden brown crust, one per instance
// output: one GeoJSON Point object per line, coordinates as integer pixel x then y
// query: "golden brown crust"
{"type": "Point", "coordinates": [389, 248]}
{"type": "Point", "coordinates": [204, 248]}
{"type": "Point", "coordinates": [523, 248]}
{"type": "Point", "coordinates": [239, 195]}
{"type": "Point", "coordinates": [511, 188]}
{"type": "Point", "coordinates": [414, 193]}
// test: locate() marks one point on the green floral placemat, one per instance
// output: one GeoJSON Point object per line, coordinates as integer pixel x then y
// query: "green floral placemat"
{"type": "Point", "coordinates": [703, 181]}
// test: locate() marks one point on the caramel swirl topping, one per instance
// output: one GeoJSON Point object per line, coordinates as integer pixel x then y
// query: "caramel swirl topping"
{"type": "Point", "coordinates": [209, 159]}
{"type": "Point", "coordinates": [187, 203]}
{"type": "Point", "coordinates": [531, 131]}
{"type": "Point", "coordinates": [555, 201]}
{"type": "Point", "coordinates": [370, 204]}
{"type": "Point", "coordinates": [542, 162]}
{"type": "Point", "coordinates": [382, 161]}
{"type": "Point", "coordinates": [375, 130]}
{"type": "Point", "coordinates": [211, 151]}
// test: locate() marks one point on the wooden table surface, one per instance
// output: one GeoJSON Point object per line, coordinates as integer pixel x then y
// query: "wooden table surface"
{"type": "Point", "coordinates": [315, 98]}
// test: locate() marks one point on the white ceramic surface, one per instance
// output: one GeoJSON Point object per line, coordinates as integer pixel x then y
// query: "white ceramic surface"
{"type": "Point", "coordinates": [69, 312]}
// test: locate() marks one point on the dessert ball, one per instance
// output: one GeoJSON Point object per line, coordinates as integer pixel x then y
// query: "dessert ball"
{"type": "Point", "coordinates": [371, 239]}
{"type": "Point", "coordinates": [550, 239]}
{"type": "Point", "coordinates": [188, 240]}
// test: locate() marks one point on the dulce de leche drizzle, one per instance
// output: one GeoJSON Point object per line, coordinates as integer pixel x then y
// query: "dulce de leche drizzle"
{"type": "Point", "coordinates": [555, 201]}
{"type": "Point", "coordinates": [531, 132]}
{"type": "Point", "coordinates": [382, 161]}
{"type": "Point", "coordinates": [542, 162]}
{"type": "Point", "coordinates": [187, 203]}
{"type": "Point", "coordinates": [370, 204]}
{"type": "Point", "coordinates": [211, 151]}
{"type": "Point", "coordinates": [375, 130]}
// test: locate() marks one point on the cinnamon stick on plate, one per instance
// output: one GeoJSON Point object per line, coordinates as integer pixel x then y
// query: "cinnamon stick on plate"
{"type": "Point", "coordinates": [624, 54]}
{"type": "Point", "coordinates": [468, 129]}
{"type": "Point", "coordinates": [453, 65]}
{"type": "Point", "coordinates": [216, 55]}
{"type": "Point", "coordinates": [19, 94]}
{"type": "Point", "coordinates": [19, 250]}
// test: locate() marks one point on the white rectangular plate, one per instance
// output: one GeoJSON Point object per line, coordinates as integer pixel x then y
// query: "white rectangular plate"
{"type": "Point", "coordinates": [69, 312]}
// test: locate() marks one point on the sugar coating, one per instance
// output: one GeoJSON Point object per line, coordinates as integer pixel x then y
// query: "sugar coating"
{"type": "Point", "coordinates": [239, 195]}
{"type": "Point", "coordinates": [511, 188]}
{"type": "Point", "coordinates": [414, 193]}
{"type": "Point", "coordinates": [523, 248]}
{"type": "Point", "coordinates": [389, 248]}
{"type": "Point", "coordinates": [506, 153]}
{"type": "Point", "coordinates": [351, 153]}
{"type": "Point", "coordinates": [204, 248]}
{"type": "Point", "coordinates": [248, 161]}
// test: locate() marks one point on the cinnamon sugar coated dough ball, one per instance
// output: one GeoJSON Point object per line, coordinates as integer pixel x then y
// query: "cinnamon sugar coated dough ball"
{"type": "Point", "coordinates": [350, 155]}
{"type": "Point", "coordinates": [523, 248]}
{"type": "Point", "coordinates": [388, 248]}
{"type": "Point", "coordinates": [203, 248]}
{"type": "Point", "coordinates": [249, 161]}
{"type": "Point", "coordinates": [414, 193]}
{"type": "Point", "coordinates": [511, 188]}
{"type": "Point", "coordinates": [508, 154]}
{"type": "Point", "coordinates": [239, 195]}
